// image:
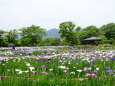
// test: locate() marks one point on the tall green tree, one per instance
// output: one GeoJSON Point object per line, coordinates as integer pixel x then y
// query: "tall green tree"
{"type": "Point", "coordinates": [67, 32]}
{"type": "Point", "coordinates": [2, 32]}
{"type": "Point", "coordinates": [78, 34]}
{"type": "Point", "coordinates": [3, 39]}
{"type": "Point", "coordinates": [32, 35]}
{"type": "Point", "coordinates": [108, 30]}
{"type": "Point", "coordinates": [91, 31]}
{"type": "Point", "coordinates": [12, 36]}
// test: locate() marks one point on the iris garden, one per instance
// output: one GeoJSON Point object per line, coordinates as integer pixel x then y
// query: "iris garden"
{"type": "Point", "coordinates": [54, 66]}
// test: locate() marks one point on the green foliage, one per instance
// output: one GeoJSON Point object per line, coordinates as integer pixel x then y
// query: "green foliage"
{"type": "Point", "coordinates": [70, 34]}
{"type": "Point", "coordinates": [25, 41]}
{"type": "Point", "coordinates": [104, 39]}
{"type": "Point", "coordinates": [50, 42]}
{"type": "Point", "coordinates": [83, 46]}
{"type": "Point", "coordinates": [12, 36]}
{"type": "Point", "coordinates": [78, 29]}
{"type": "Point", "coordinates": [91, 31]}
{"type": "Point", "coordinates": [66, 29]}
{"type": "Point", "coordinates": [3, 39]}
{"type": "Point", "coordinates": [1, 33]}
{"type": "Point", "coordinates": [108, 30]}
{"type": "Point", "coordinates": [53, 74]}
{"type": "Point", "coordinates": [32, 35]}
{"type": "Point", "coordinates": [105, 45]}
{"type": "Point", "coordinates": [87, 32]}
{"type": "Point", "coordinates": [67, 32]}
{"type": "Point", "coordinates": [63, 42]}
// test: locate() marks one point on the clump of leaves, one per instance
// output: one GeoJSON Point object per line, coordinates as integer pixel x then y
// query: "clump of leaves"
{"type": "Point", "coordinates": [114, 56]}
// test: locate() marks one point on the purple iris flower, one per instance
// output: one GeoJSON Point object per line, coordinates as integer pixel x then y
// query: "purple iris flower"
{"type": "Point", "coordinates": [112, 59]}
{"type": "Point", "coordinates": [95, 71]}
{"type": "Point", "coordinates": [43, 66]}
{"type": "Point", "coordinates": [107, 67]}
{"type": "Point", "coordinates": [78, 62]}
{"type": "Point", "coordinates": [41, 60]}
{"type": "Point", "coordinates": [93, 75]}
{"type": "Point", "coordinates": [108, 57]}
{"type": "Point", "coordinates": [33, 72]}
{"type": "Point", "coordinates": [89, 67]}
{"type": "Point", "coordinates": [110, 70]}
{"type": "Point", "coordinates": [1, 77]}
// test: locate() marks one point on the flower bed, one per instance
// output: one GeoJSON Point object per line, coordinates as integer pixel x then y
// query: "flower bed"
{"type": "Point", "coordinates": [67, 68]}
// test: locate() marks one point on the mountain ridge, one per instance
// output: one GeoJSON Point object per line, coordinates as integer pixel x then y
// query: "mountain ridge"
{"type": "Point", "coordinates": [52, 33]}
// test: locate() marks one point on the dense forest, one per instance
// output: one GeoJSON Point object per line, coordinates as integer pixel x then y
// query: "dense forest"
{"type": "Point", "coordinates": [70, 34]}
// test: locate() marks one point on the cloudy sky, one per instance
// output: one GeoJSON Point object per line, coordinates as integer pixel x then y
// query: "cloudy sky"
{"type": "Point", "coordinates": [15, 14]}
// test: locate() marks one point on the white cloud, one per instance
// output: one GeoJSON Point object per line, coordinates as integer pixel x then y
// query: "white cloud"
{"type": "Point", "coordinates": [15, 14]}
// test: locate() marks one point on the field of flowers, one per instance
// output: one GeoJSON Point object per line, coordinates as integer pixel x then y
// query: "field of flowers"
{"type": "Point", "coordinates": [54, 66]}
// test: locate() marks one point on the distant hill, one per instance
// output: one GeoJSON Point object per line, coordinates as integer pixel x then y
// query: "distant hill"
{"type": "Point", "coordinates": [53, 33]}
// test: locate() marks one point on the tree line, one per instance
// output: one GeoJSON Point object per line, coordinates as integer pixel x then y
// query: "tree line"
{"type": "Point", "coordinates": [69, 35]}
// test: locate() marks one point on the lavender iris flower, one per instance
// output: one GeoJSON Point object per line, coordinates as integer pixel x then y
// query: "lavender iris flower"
{"type": "Point", "coordinates": [110, 70]}
{"type": "Point", "coordinates": [107, 67]}
{"type": "Point", "coordinates": [95, 71]}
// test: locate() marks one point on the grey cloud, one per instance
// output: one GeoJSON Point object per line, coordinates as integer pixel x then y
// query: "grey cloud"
{"type": "Point", "coordinates": [49, 13]}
